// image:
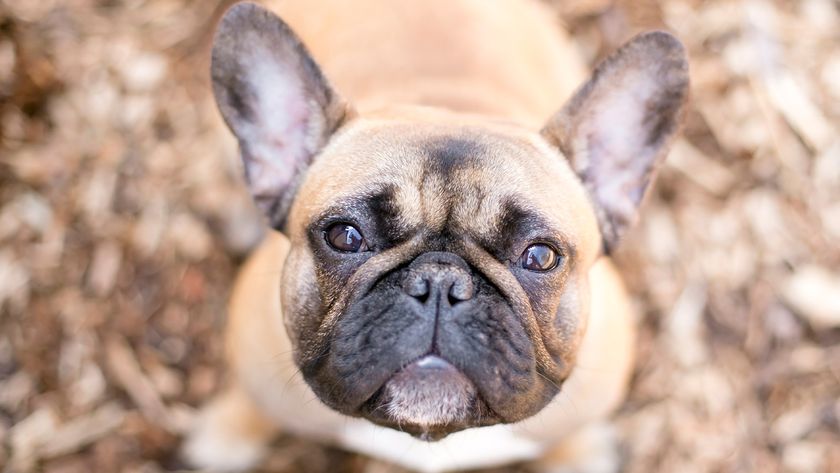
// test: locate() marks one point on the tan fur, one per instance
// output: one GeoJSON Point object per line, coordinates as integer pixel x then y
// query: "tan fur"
{"type": "Point", "coordinates": [439, 53]}
{"type": "Point", "coordinates": [435, 74]}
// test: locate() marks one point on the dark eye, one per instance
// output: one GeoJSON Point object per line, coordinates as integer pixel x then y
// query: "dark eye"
{"type": "Point", "coordinates": [345, 237]}
{"type": "Point", "coordinates": [539, 257]}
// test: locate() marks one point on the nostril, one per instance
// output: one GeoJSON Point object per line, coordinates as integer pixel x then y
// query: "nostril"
{"type": "Point", "coordinates": [417, 287]}
{"type": "Point", "coordinates": [461, 290]}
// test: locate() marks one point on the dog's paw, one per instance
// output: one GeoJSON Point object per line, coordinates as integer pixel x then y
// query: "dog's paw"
{"type": "Point", "coordinates": [592, 449]}
{"type": "Point", "coordinates": [216, 450]}
{"type": "Point", "coordinates": [227, 436]}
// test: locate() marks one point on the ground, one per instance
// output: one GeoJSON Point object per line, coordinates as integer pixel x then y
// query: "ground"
{"type": "Point", "coordinates": [123, 220]}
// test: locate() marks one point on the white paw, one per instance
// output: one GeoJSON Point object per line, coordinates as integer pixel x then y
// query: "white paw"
{"type": "Point", "coordinates": [212, 445]}
{"type": "Point", "coordinates": [593, 449]}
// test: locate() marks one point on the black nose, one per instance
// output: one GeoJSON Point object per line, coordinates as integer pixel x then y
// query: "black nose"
{"type": "Point", "coordinates": [439, 278]}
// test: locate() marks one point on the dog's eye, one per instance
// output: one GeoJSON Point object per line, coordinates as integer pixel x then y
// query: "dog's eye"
{"type": "Point", "coordinates": [345, 237]}
{"type": "Point", "coordinates": [539, 257]}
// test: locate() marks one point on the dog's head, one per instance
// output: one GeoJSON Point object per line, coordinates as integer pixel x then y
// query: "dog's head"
{"type": "Point", "coordinates": [437, 277]}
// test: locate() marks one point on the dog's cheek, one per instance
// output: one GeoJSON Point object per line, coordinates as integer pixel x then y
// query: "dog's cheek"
{"type": "Point", "coordinates": [569, 319]}
{"type": "Point", "coordinates": [331, 269]}
{"type": "Point", "coordinates": [560, 304]}
{"type": "Point", "coordinates": [302, 304]}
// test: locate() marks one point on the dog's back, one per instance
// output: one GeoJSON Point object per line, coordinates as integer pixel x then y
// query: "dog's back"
{"type": "Point", "coordinates": [506, 58]}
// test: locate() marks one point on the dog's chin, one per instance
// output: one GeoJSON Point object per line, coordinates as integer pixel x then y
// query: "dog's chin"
{"type": "Point", "coordinates": [429, 399]}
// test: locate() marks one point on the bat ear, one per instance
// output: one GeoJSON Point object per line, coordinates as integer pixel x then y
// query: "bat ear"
{"type": "Point", "coordinates": [618, 127]}
{"type": "Point", "coordinates": [276, 101]}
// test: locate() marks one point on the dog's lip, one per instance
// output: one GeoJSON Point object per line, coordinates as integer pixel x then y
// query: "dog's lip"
{"type": "Point", "coordinates": [435, 367]}
{"type": "Point", "coordinates": [432, 362]}
{"type": "Point", "coordinates": [429, 364]}
{"type": "Point", "coordinates": [438, 370]}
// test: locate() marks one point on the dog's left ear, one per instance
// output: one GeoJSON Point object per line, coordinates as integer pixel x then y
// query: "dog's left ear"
{"type": "Point", "coordinates": [617, 128]}
{"type": "Point", "coordinates": [276, 101]}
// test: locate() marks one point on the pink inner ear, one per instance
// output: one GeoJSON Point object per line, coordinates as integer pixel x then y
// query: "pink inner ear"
{"type": "Point", "coordinates": [612, 153]}
{"type": "Point", "coordinates": [617, 153]}
{"type": "Point", "coordinates": [279, 138]}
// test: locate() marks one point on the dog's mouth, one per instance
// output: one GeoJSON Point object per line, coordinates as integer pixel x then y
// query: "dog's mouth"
{"type": "Point", "coordinates": [430, 399]}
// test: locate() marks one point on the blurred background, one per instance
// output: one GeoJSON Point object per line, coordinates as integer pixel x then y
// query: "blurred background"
{"type": "Point", "coordinates": [123, 221]}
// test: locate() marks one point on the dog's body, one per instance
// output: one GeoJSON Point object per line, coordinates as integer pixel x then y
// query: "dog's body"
{"type": "Point", "coordinates": [445, 95]}
{"type": "Point", "coordinates": [381, 53]}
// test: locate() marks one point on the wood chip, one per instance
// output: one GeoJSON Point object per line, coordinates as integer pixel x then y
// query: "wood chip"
{"type": "Point", "coordinates": [89, 386]}
{"type": "Point", "coordinates": [831, 75]}
{"type": "Point", "coordinates": [190, 236]}
{"type": "Point", "coordinates": [701, 169]}
{"type": "Point", "coordinates": [789, 99]}
{"type": "Point", "coordinates": [98, 195]}
{"type": "Point", "coordinates": [166, 381]}
{"type": "Point", "coordinates": [804, 457]}
{"type": "Point", "coordinates": [15, 390]}
{"type": "Point", "coordinates": [102, 274]}
{"type": "Point", "coordinates": [785, 91]}
{"type": "Point", "coordinates": [684, 326]}
{"type": "Point", "coordinates": [3, 434]}
{"type": "Point", "coordinates": [28, 436]}
{"type": "Point", "coordinates": [83, 431]}
{"type": "Point", "coordinates": [14, 280]}
{"type": "Point", "coordinates": [125, 368]}
{"type": "Point", "coordinates": [814, 293]}
{"type": "Point", "coordinates": [793, 425]}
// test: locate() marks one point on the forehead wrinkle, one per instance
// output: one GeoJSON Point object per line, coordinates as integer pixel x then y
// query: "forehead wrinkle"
{"type": "Point", "coordinates": [434, 200]}
{"type": "Point", "coordinates": [462, 181]}
{"type": "Point", "coordinates": [539, 187]}
{"type": "Point", "coordinates": [530, 221]}
{"type": "Point", "coordinates": [503, 164]}
{"type": "Point", "coordinates": [420, 199]}
{"type": "Point", "coordinates": [476, 207]}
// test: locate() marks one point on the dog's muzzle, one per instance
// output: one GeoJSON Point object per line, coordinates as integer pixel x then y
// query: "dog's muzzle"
{"type": "Point", "coordinates": [428, 392]}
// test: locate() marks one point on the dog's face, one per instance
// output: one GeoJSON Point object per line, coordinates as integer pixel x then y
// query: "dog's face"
{"type": "Point", "coordinates": [438, 272]}
{"type": "Point", "coordinates": [437, 278]}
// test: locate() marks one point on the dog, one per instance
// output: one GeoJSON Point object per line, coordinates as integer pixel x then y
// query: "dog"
{"type": "Point", "coordinates": [438, 292]}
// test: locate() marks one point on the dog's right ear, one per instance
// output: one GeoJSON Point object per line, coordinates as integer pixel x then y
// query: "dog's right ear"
{"type": "Point", "coordinates": [618, 127]}
{"type": "Point", "coordinates": [276, 101]}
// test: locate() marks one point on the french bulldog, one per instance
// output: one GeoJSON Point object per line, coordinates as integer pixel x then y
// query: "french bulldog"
{"type": "Point", "coordinates": [438, 292]}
